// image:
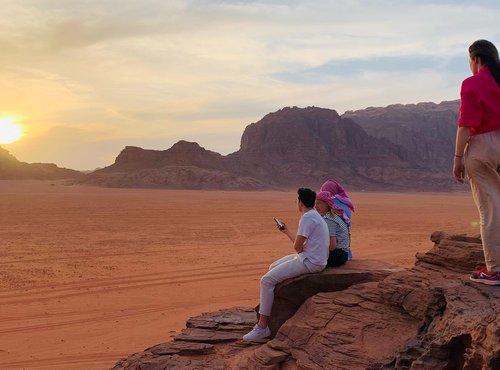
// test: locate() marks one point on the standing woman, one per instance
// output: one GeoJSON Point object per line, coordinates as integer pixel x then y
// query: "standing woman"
{"type": "Point", "coordinates": [477, 150]}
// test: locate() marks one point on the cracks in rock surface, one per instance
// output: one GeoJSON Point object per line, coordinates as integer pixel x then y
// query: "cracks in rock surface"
{"type": "Point", "coordinates": [435, 308]}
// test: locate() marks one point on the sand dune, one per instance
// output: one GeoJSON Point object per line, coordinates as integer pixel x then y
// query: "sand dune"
{"type": "Point", "coordinates": [89, 275]}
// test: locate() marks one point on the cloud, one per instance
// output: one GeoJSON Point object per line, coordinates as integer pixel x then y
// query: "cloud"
{"type": "Point", "coordinates": [356, 68]}
{"type": "Point", "coordinates": [199, 69]}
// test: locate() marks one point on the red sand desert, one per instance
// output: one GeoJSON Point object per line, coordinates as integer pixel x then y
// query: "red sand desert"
{"type": "Point", "coordinates": [89, 275]}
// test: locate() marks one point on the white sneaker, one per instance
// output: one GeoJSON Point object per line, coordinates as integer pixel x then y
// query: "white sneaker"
{"type": "Point", "coordinates": [257, 334]}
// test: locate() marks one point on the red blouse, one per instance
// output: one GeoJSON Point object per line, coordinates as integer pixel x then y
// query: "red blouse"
{"type": "Point", "coordinates": [480, 103]}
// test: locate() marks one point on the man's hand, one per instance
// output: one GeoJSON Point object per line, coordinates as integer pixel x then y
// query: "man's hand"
{"type": "Point", "coordinates": [285, 230]}
{"type": "Point", "coordinates": [459, 169]}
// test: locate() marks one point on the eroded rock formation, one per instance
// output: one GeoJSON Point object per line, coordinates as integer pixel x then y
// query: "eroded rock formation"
{"type": "Point", "coordinates": [427, 317]}
{"type": "Point", "coordinates": [425, 130]}
{"type": "Point", "coordinates": [292, 293]}
{"type": "Point", "coordinates": [398, 147]}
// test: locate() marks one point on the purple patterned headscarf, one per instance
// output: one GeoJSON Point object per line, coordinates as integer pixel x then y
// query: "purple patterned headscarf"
{"type": "Point", "coordinates": [337, 192]}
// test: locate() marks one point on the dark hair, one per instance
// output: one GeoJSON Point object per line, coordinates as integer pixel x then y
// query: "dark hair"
{"type": "Point", "coordinates": [488, 54]}
{"type": "Point", "coordinates": [307, 197]}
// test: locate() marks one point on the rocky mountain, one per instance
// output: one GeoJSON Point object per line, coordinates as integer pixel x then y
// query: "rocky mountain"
{"type": "Point", "coordinates": [303, 147]}
{"type": "Point", "coordinates": [295, 146]}
{"type": "Point", "coordinates": [12, 169]}
{"type": "Point", "coordinates": [425, 130]}
{"type": "Point", "coordinates": [363, 315]}
{"type": "Point", "coordinates": [184, 166]}
{"type": "Point", "coordinates": [182, 153]}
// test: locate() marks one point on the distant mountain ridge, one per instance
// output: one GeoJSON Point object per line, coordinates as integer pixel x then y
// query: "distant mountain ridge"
{"type": "Point", "coordinates": [13, 169]}
{"type": "Point", "coordinates": [425, 130]}
{"type": "Point", "coordinates": [399, 147]}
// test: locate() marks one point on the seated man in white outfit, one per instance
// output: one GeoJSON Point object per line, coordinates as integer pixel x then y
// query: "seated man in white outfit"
{"type": "Point", "coordinates": [312, 248]}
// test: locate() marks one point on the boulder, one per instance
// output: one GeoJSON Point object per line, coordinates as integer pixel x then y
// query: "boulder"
{"type": "Point", "coordinates": [292, 293]}
{"type": "Point", "coordinates": [205, 336]}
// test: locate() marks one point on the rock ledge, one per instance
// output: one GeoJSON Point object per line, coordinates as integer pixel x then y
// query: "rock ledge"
{"type": "Point", "coordinates": [360, 316]}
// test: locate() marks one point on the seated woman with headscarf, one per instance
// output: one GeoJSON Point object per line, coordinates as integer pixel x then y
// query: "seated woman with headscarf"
{"type": "Point", "coordinates": [337, 229]}
{"type": "Point", "coordinates": [342, 202]}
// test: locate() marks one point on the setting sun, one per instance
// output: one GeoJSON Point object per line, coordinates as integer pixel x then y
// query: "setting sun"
{"type": "Point", "coordinates": [10, 131]}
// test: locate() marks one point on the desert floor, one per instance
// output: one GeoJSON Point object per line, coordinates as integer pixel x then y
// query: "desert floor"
{"type": "Point", "coordinates": [89, 275]}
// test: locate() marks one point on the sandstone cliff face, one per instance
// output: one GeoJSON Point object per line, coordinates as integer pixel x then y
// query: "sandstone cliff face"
{"type": "Point", "coordinates": [184, 166]}
{"type": "Point", "coordinates": [183, 153]}
{"type": "Point", "coordinates": [294, 146]}
{"type": "Point", "coordinates": [302, 147]}
{"type": "Point", "coordinates": [371, 317]}
{"type": "Point", "coordinates": [12, 169]}
{"type": "Point", "coordinates": [428, 317]}
{"type": "Point", "coordinates": [425, 130]}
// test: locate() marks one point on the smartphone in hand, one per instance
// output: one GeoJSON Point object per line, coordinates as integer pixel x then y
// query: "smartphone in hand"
{"type": "Point", "coordinates": [280, 224]}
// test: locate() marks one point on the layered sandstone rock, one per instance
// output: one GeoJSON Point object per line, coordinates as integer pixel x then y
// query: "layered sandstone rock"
{"type": "Point", "coordinates": [183, 153]}
{"type": "Point", "coordinates": [184, 166]}
{"type": "Point", "coordinates": [427, 317]}
{"type": "Point", "coordinates": [202, 345]}
{"type": "Point", "coordinates": [295, 146]}
{"type": "Point", "coordinates": [292, 293]}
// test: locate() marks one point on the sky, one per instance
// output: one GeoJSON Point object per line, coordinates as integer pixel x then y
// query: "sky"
{"type": "Point", "coordinates": [86, 78]}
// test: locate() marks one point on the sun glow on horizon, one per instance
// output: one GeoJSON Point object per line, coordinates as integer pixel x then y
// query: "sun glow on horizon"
{"type": "Point", "coordinates": [10, 130]}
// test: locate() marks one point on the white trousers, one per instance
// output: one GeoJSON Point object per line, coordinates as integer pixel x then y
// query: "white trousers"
{"type": "Point", "coordinates": [285, 268]}
{"type": "Point", "coordinates": [482, 162]}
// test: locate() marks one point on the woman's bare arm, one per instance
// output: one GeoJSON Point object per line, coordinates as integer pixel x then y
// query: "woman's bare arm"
{"type": "Point", "coordinates": [463, 134]}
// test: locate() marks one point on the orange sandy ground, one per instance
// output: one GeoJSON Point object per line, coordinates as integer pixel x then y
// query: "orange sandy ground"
{"type": "Point", "coordinates": [89, 275]}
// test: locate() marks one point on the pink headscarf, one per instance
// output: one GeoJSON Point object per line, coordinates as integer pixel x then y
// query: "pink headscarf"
{"type": "Point", "coordinates": [328, 198]}
{"type": "Point", "coordinates": [338, 192]}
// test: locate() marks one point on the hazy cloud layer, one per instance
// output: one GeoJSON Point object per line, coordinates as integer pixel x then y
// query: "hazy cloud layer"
{"type": "Point", "coordinates": [149, 73]}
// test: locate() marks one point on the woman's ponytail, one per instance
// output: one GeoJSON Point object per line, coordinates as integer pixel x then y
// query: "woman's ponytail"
{"type": "Point", "coordinates": [488, 54]}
